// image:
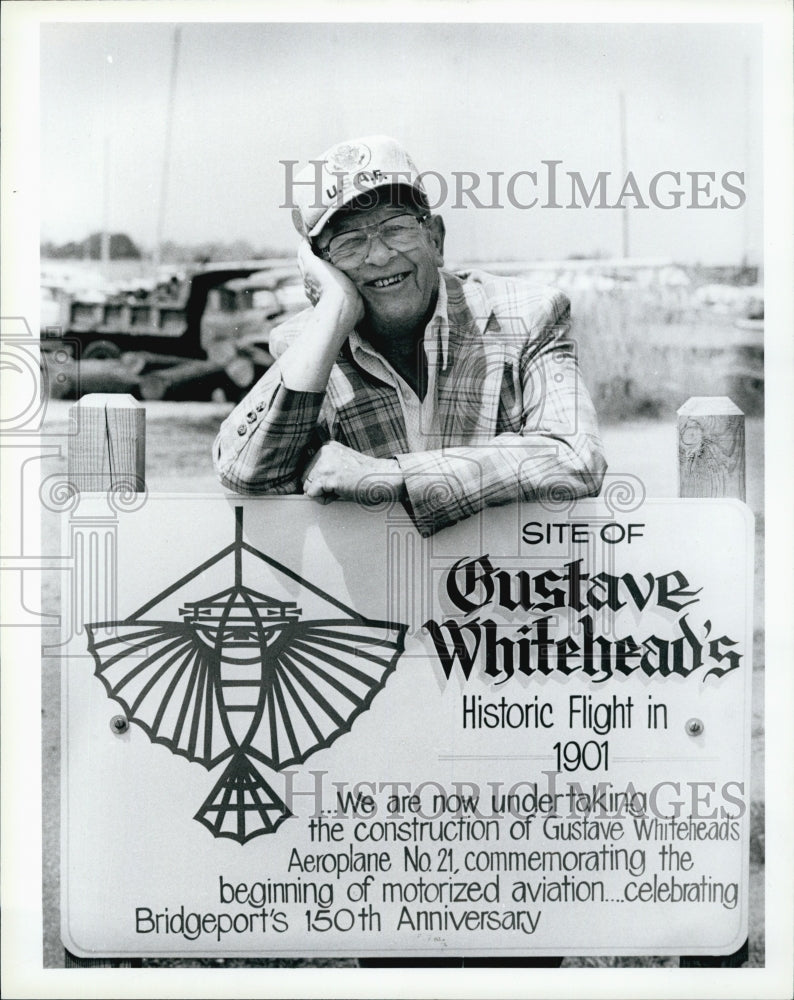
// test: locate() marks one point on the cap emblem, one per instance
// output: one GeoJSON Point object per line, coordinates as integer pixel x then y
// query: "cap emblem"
{"type": "Point", "coordinates": [348, 157]}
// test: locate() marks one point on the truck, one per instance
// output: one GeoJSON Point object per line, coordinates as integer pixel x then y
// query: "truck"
{"type": "Point", "coordinates": [207, 334]}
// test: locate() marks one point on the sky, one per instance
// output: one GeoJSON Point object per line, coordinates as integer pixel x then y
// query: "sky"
{"type": "Point", "coordinates": [460, 97]}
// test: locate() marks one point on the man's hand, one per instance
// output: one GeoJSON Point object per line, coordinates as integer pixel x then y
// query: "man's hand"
{"type": "Point", "coordinates": [330, 290]}
{"type": "Point", "coordinates": [339, 472]}
{"type": "Point", "coordinates": [306, 364]}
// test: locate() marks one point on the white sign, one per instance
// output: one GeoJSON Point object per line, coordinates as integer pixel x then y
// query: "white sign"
{"type": "Point", "coordinates": [299, 730]}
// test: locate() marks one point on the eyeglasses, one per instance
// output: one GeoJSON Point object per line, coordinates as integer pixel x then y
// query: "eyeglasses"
{"type": "Point", "coordinates": [350, 249]}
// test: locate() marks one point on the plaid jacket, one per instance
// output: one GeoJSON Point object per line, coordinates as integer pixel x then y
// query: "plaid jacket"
{"type": "Point", "coordinates": [514, 418]}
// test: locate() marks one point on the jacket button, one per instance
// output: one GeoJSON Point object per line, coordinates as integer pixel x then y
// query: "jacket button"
{"type": "Point", "coordinates": [250, 416]}
{"type": "Point", "coordinates": [260, 407]}
{"type": "Point", "coordinates": [242, 429]}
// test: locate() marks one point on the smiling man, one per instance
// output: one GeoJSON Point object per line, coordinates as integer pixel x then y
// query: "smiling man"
{"type": "Point", "coordinates": [452, 392]}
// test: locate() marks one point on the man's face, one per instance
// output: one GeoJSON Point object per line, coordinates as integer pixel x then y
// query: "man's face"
{"type": "Point", "coordinates": [398, 286]}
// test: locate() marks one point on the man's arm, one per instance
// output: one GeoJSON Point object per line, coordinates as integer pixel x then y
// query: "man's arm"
{"type": "Point", "coordinates": [266, 439]}
{"type": "Point", "coordinates": [265, 443]}
{"type": "Point", "coordinates": [557, 453]}
{"type": "Point", "coordinates": [306, 364]}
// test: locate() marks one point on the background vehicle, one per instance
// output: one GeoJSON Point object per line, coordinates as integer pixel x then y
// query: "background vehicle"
{"type": "Point", "coordinates": [202, 336]}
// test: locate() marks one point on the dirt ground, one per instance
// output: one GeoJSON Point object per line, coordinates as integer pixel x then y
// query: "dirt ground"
{"type": "Point", "coordinates": [179, 436]}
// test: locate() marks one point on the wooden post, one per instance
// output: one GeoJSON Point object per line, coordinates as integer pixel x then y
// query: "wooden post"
{"type": "Point", "coordinates": [107, 450]}
{"type": "Point", "coordinates": [711, 458]}
{"type": "Point", "coordinates": [109, 446]}
{"type": "Point", "coordinates": [711, 463]}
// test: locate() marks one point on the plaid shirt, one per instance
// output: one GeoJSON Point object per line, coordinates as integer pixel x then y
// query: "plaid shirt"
{"type": "Point", "coordinates": [512, 418]}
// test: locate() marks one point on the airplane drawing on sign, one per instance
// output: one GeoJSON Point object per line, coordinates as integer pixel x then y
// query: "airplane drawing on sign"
{"type": "Point", "coordinates": [244, 679]}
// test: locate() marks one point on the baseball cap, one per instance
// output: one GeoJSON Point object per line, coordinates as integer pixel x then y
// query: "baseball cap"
{"type": "Point", "coordinates": [346, 171]}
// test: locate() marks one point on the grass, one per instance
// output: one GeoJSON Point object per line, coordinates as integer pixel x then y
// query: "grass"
{"type": "Point", "coordinates": [644, 351]}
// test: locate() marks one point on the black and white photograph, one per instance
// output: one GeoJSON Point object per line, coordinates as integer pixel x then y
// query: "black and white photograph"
{"type": "Point", "coordinates": [396, 463]}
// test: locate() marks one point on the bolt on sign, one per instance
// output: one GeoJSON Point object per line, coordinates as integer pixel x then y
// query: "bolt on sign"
{"type": "Point", "coordinates": [297, 730]}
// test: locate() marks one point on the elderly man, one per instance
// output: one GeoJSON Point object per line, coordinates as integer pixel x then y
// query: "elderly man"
{"type": "Point", "coordinates": [452, 392]}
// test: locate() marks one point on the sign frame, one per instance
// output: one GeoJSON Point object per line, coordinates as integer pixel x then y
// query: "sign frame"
{"type": "Point", "coordinates": [441, 549]}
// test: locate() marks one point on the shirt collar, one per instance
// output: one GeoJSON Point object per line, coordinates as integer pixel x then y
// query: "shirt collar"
{"type": "Point", "coordinates": [468, 304]}
{"type": "Point", "coordinates": [438, 327]}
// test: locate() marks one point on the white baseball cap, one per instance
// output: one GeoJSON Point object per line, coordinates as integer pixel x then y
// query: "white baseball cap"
{"type": "Point", "coordinates": [346, 171]}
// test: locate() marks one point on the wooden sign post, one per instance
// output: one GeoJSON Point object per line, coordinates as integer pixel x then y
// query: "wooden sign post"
{"type": "Point", "coordinates": [107, 452]}
{"type": "Point", "coordinates": [711, 463]}
{"type": "Point", "coordinates": [109, 449]}
{"type": "Point", "coordinates": [711, 448]}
